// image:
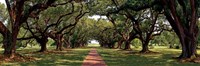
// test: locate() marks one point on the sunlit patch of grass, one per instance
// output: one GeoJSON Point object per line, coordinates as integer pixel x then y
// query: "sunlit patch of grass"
{"type": "Point", "coordinates": [114, 57]}
{"type": "Point", "coordinates": [93, 45]}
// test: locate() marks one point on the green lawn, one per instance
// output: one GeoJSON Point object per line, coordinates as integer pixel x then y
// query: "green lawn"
{"type": "Point", "coordinates": [115, 57]}
{"type": "Point", "coordinates": [112, 57]}
{"type": "Point", "coordinates": [72, 57]}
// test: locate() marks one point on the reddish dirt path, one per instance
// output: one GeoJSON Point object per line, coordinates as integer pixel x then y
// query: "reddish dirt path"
{"type": "Point", "coordinates": [93, 59]}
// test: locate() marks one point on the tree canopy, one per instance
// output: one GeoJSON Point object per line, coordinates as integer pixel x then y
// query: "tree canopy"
{"type": "Point", "coordinates": [173, 23]}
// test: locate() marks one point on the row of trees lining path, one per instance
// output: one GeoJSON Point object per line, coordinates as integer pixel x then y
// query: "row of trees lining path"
{"type": "Point", "coordinates": [69, 25]}
{"type": "Point", "coordinates": [182, 16]}
{"type": "Point", "coordinates": [21, 12]}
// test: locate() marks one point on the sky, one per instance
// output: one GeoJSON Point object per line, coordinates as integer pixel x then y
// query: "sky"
{"type": "Point", "coordinates": [94, 42]}
{"type": "Point", "coordinates": [96, 17]}
{"type": "Point", "coordinates": [2, 1]}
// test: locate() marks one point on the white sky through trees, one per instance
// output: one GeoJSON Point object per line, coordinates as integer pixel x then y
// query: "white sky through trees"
{"type": "Point", "coordinates": [96, 17]}
{"type": "Point", "coordinates": [3, 1]}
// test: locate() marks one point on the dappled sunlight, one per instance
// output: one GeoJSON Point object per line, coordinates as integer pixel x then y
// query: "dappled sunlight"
{"type": "Point", "coordinates": [111, 57]}
{"type": "Point", "coordinates": [72, 57]}
{"type": "Point", "coordinates": [68, 61]}
{"type": "Point", "coordinates": [198, 51]}
{"type": "Point", "coordinates": [163, 58]}
{"type": "Point", "coordinates": [93, 45]}
{"type": "Point", "coordinates": [10, 64]}
{"type": "Point", "coordinates": [1, 49]}
{"type": "Point", "coordinates": [122, 32]}
{"type": "Point", "coordinates": [171, 60]}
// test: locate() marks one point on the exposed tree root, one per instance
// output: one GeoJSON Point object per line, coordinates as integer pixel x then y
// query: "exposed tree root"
{"type": "Point", "coordinates": [196, 60]}
{"type": "Point", "coordinates": [183, 60]}
{"type": "Point", "coordinates": [148, 52]}
{"type": "Point", "coordinates": [129, 49]}
{"type": "Point", "coordinates": [16, 58]}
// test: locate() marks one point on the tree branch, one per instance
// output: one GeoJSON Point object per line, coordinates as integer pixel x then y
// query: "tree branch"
{"type": "Point", "coordinates": [60, 17]}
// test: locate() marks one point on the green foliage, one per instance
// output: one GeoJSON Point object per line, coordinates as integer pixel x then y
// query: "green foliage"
{"type": "Point", "coordinates": [54, 13]}
{"type": "Point", "coordinates": [167, 39]}
{"type": "Point", "coordinates": [136, 43]}
{"type": "Point", "coordinates": [103, 30]}
{"type": "Point", "coordinates": [74, 39]}
{"type": "Point", "coordinates": [99, 7]}
{"type": "Point", "coordinates": [3, 13]}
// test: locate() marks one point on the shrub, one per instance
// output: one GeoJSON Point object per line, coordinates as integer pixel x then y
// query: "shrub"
{"type": "Point", "coordinates": [151, 47]}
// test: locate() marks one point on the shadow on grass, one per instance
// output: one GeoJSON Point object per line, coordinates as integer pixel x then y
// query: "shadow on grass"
{"type": "Point", "coordinates": [120, 58]}
{"type": "Point", "coordinates": [73, 57]}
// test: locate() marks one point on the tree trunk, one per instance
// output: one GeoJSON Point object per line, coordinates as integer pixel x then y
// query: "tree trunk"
{"type": "Point", "coordinates": [113, 45]}
{"type": "Point", "coordinates": [58, 45]}
{"type": "Point", "coordinates": [7, 42]}
{"type": "Point", "coordinates": [145, 48]}
{"type": "Point", "coordinates": [109, 45]}
{"type": "Point", "coordinates": [120, 44]}
{"type": "Point", "coordinates": [186, 28]}
{"type": "Point", "coordinates": [59, 40]}
{"type": "Point", "coordinates": [43, 47]}
{"type": "Point", "coordinates": [189, 46]}
{"type": "Point", "coordinates": [127, 45]}
{"type": "Point", "coordinates": [10, 42]}
{"type": "Point", "coordinates": [67, 44]}
{"type": "Point", "coordinates": [43, 43]}
{"type": "Point", "coordinates": [187, 36]}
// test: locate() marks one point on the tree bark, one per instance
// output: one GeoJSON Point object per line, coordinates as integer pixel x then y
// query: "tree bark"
{"type": "Point", "coordinates": [67, 43]}
{"type": "Point", "coordinates": [9, 40]}
{"type": "Point", "coordinates": [127, 45]}
{"type": "Point", "coordinates": [120, 44]}
{"type": "Point", "coordinates": [43, 47]}
{"type": "Point", "coordinates": [187, 30]}
{"type": "Point", "coordinates": [43, 43]}
{"type": "Point", "coordinates": [58, 42]}
{"type": "Point", "coordinates": [113, 45]}
{"type": "Point", "coordinates": [145, 48]}
{"type": "Point", "coordinates": [17, 17]}
{"type": "Point", "coordinates": [189, 46]}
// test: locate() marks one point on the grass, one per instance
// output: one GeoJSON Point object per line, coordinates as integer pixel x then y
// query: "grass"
{"type": "Point", "coordinates": [93, 45]}
{"type": "Point", "coordinates": [115, 57]}
{"type": "Point", "coordinates": [72, 57]}
{"type": "Point", "coordinates": [112, 57]}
